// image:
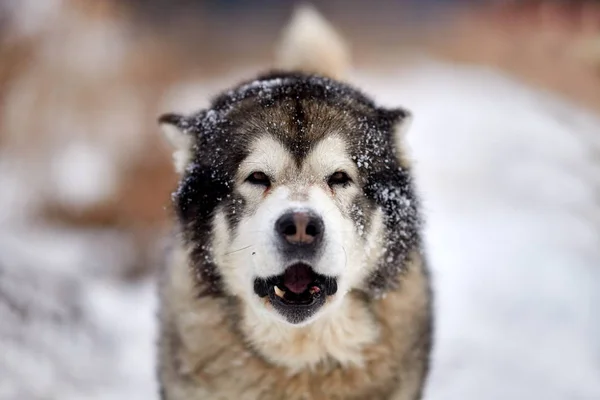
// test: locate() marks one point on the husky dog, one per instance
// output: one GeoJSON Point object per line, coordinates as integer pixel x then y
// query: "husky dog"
{"type": "Point", "coordinates": [297, 270]}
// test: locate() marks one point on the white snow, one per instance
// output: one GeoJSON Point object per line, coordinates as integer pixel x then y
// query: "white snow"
{"type": "Point", "coordinates": [68, 329]}
{"type": "Point", "coordinates": [82, 176]}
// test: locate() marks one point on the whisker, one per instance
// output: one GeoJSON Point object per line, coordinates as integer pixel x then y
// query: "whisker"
{"type": "Point", "coordinates": [243, 248]}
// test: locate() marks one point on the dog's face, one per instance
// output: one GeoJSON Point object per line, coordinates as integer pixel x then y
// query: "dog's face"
{"type": "Point", "coordinates": [293, 194]}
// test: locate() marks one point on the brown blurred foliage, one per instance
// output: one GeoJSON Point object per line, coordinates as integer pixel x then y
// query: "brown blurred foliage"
{"type": "Point", "coordinates": [554, 45]}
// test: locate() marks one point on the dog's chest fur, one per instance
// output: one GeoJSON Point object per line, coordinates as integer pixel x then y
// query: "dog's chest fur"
{"type": "Point", "coordinates": [204, 355]}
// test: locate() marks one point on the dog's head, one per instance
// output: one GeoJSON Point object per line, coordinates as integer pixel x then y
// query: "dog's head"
{"type": "Point", "coordinates": [293, 189]}
{"type": "Point", "coordinates": [293, 192]}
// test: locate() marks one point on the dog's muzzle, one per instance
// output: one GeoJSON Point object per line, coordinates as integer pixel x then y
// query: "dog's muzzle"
{"type": "Point", "coordinates": [299, 291]}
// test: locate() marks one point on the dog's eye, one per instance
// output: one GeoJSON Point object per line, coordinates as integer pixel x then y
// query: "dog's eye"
{"type": "Point", "coordinates": [259, 178]}
{"type": "Point", "coordinates": [339, 178]}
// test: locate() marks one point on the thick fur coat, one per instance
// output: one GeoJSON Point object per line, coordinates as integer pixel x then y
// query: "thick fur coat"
{"type": "Point", "coordinates": [297, 270]}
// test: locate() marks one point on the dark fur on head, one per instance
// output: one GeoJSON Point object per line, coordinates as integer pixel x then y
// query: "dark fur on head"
{"type": "Point", "coordinates": [298, 110]}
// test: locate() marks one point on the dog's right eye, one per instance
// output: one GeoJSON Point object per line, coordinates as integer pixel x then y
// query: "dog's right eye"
{"type": "Point", "coordinates": [339, 178]}
{"type": "Point", "coordinates": [259, 178]}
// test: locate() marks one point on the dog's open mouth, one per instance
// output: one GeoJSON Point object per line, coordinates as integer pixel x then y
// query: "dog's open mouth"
{"type": "Point", "coordinates": [298, 292]}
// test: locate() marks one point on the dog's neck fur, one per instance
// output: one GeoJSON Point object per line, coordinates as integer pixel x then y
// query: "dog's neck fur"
{"type": "Point", "coordinates": [363, 341]}
{"type": "Point", "coordinates": [338, 336]}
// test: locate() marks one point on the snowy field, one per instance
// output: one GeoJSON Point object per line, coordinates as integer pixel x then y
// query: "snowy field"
{"type": "Point", "coordinates": [511, 180]}
{"type": "Point", "coordinates": [511, 183]}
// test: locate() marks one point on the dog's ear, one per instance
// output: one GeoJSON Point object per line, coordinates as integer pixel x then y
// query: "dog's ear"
{"type": "Point", "coordinates": [398, 121]}
{"type": "Point", "coordinates": [310, 44]}
{"type": "Point", "coordinates": [176, 130]}
{"type": "Point", "coordinates": [402, 119]}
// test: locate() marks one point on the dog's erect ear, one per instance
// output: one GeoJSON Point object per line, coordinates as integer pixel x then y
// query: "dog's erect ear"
{"type": "Point", "coordinates": [399, 121]}
{"type": "Point", "coordinates": [402, 121]}
{"type": "Point", "coordinates": [175, 128]}
{"type": "Point", "coordinates": [310, 44]}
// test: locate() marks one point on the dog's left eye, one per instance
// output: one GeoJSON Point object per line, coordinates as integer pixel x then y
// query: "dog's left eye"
{"type": "Point", "coordinates": [339, 178]}
{"type": "Point", "coordinates": [259, 178]}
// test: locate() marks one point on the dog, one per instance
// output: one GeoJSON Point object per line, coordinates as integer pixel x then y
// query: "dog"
{"type": "Point", "coordinates": [297, 269]}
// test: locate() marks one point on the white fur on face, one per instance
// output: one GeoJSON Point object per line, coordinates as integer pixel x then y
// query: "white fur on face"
{"type": "Point", "coordinates": [253, 251]}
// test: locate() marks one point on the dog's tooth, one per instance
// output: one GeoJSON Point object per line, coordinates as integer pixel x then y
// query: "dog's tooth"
{"type": "Point", "coordinates": [278, 291]}
{"type": "Point", "coordinates": [314, 290]}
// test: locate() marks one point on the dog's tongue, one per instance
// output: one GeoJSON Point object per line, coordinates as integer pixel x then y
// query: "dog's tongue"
{"type": "Point", "coordinates": [297, 278]}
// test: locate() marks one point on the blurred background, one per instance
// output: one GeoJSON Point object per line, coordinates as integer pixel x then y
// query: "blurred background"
{"type": "Point", "coordinates": [506, 146]}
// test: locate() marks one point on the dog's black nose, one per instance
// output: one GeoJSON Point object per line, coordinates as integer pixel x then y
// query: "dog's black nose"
{"type": "Point", "coordinates": [300, 229]}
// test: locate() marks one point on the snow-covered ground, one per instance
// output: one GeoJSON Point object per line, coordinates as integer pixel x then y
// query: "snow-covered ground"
{"type": "Point", "coordinates": [511, 180]}
{"type": "Point", "coordinates": [68, 329]}
{"type": "Point", "coordinates": [511, 183]}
